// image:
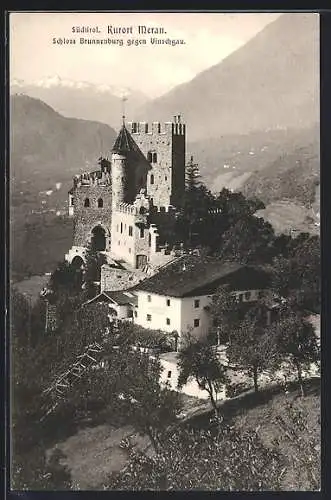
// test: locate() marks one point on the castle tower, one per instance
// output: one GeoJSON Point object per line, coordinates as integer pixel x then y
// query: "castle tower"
{"type": "Point", "coordinates": [164, 147]}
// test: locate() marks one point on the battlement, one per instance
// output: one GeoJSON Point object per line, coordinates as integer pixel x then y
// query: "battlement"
{"type": "Point", "coordinates": [126, 208]}
{"type": "Point", "coordinates": [97, 178]}
{"type": "Point", "coordinates": [176, 127]}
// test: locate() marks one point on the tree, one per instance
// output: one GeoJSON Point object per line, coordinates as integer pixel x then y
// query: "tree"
{"type": "Point", "coordinates": [297, 270]}
{"type": "Point", "coordinates": [249, 240]}
{"type": "Point", "coordinates": [199, 361]}
{"type": "Point", "coordinates": [192, 176]}
{"type": "Point", "coordinates": [296, 341]}
{"type": "Point", "coordinates": [149, 407]}
{"type": "Point", "coordinates": [225, 314]}
{"type": "Point", "coordinates": [252, 347]}
{"type": "Point", "coordinates": [200, 460]}
{"type": "Point", "coordinates": [93, 262]}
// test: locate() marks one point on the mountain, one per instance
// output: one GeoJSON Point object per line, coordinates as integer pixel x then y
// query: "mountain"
{"type": "Point", "coordinates": [102, 103]}
{"type": "Point", "coordinates": [272, 82]}
{"type": "Point", "coordinates": [46, 143]}
{"type": "Point", "coordinates": [46, 151]}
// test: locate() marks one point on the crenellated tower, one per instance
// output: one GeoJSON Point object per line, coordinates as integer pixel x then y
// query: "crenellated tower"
{"type": "Point", "coordinates": [120, 208]}
{"type": "Point", "coordinates": [163, 145]}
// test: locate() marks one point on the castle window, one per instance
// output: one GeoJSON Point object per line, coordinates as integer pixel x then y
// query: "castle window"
{"type": "Point", "coordinates": [196, 303]}
{"type": "Point", "coordinates": [149, 317]}
{"type": "Point", "coordinates": [142, 210]}
{"type": "Point", "coordinates": [149, 157]}
{"type": "Point", "coordinates": [135, 314]}
{"type": "Point", "coordinates": [149, 298]}
{"type": "Point", "coordinates": [121, 227]}
{"type": "Point", "coordinates": [130, 230]}
{"type": "Point", "coordinates": [165, 178]}
{"type": "Point", "coordinates": [152, 179]}
{"type": "Point", "coordinates": [134, 128]}
{"type": "Point", "coordinates": [87, 202]}
{"type": "Point", "coordinates": [100, 203]}
{"type": "Point", "coordinates": [168, 302]}
{"type": "Point", "coordinates": [149, 240]}
{"type": "Point", "coordinates": [168, 321]}
{"type": "Point", "coordinates": [154, 158]}
{"type": "Point", "coordinates": [141, 232]}
{"type": "Point", "coordinates": [169, 374]}
{"type": "Point", "coordinates": [159, 128]}
{"type": "Point", "coordinates": [146, 128]}
{"type": "Point", "coordinates": [196, 323]}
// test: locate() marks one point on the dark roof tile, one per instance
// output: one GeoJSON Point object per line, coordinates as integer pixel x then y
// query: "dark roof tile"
{"type": "Point", "coordinates": [190, 276]}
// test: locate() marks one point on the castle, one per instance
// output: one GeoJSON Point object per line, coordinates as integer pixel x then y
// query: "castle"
{"type": "Point", "coordinates": [122, 208]}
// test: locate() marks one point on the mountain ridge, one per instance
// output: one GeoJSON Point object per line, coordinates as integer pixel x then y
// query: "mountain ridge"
{"type": "Point", "coordinates": [277, 69]}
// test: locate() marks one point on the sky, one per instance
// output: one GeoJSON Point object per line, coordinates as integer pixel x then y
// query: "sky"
{"type": "Point", "coordinates": [152, 69]}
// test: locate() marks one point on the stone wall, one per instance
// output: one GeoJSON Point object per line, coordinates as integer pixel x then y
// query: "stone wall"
{"type": "Point", "coordinates": [86, 218]}
{"type": "Point", "coordinates": [119, 279]}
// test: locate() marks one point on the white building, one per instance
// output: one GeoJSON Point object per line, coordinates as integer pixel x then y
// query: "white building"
{"type": "Point", "coordinates": [121, 303]}
{"type": "Point", "coordinates": [177, 299]}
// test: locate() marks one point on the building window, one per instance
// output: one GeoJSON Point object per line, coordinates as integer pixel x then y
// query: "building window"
{"type": "Point", "coordinates": [130, 230]}
{"type": "Point", "coordinates": [130, 314]}
{"type": "Point", "coordinates": [197, 303]}
{"type": "Point", "coordinates": [141, 232]}
{"type": "Point", "coordinates": [87, 202]}
{"type": "Point", "coordinates": [149, 157]}
{"type": "Point", "coordinates": [196, 323]}
{"type": "Point", "coordinates": [149, 298]}
{"type": "Point", "coordinates": [149, 240]}
{"type": "Point", "coordinates": [165, 178]}
{"type": "Point", "coordinates": [152, 179]}
{"type": "Point", "coordinates": [168, 302]}
{"type": "Point", "coordinates": [134, 127]}
{"type": "Point", "coordinates": [135, 314]}
{"type": "Point", "coordinates": [154, 158]}
{"type": "Point", "coordinates": [146, 128]}
{"type": "Point", "coordinates": [100, 203]}
{"type": "Point", "coordinates": [247, 295]}
{"type": "Point", "coordinates": [149, 317]}
{"type": "Point", "coordinates": [168, 321]}
{"type": "Point", "coordinates": [169, 374]}
{"type": "Point", "coordinates": [121, 227]}
{"type": "Point", "coordinates": [159, 128]}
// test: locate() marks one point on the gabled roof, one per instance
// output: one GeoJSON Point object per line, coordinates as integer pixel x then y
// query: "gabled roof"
{"type": "Point", "coordinates": [116, 297]}
{"type": "Point", "coordinates": [189, 276]}
{"type": "Point", "coordinates": [125, 143]}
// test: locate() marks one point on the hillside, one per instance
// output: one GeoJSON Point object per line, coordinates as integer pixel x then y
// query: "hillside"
{"type": "Point", "coordinates": [47, 150]}
{"type": "Point", "coordinates": [230, 160]}
{"type": "Point", "coordinates": [82, 100]}
{"type": "Point", "coordinates": [293, 176]}
{"type": "Point", "coordinates": [272, 82]}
